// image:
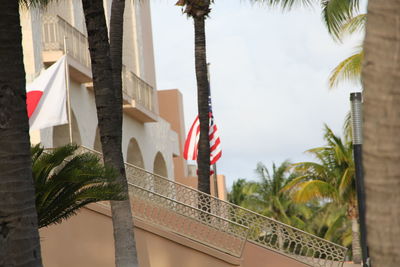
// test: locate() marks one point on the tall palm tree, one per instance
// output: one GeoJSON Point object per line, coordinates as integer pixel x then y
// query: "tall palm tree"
{"type": "Point", "coordinates": [19, 237]}
{"type": "Point", "coordinates": [381, 153]}
{"type": "Point", "coordinates": [331, 179]}
{"type": "Point", "coordinates": [66, 181]}
{"type": "Point", "coordinates": [199, 11]}
{"type": "Point", "coordinates": [108, 97]}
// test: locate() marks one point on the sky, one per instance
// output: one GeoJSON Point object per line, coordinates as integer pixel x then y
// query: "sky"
{"type": "Point", "coordinates": [269, 79]}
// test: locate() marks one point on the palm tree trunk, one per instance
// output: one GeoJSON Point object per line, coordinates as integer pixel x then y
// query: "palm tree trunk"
{"type": "Point", "coordinates": [355, 243]}
{"type": "Point", "coordinates": [19, 237]}
{"type": "Point", "coordinates": [381, 154]}
{"type": "Point", "coordinates": [109, 113]}
{"type": "Point", "coordinates": [203, 159]}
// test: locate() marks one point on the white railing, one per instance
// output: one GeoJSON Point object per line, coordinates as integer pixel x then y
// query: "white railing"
{"type": "Point", "coordinates": [54, 29]}
{"type": "Point", "coordinates": [136, 89]}
{"type": "Point", "coordinates": [163, 197]}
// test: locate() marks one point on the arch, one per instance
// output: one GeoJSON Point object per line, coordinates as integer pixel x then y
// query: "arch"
{"type": "Point", "coordinates": [61, 133]}
{"type": "Point", "coordinates": [134, 155]}
{"type": "Point", "coordinates": [160, 167]}
{"type": "Point", "coordinates": [97, 142]}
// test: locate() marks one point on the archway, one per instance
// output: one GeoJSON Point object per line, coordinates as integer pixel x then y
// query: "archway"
{"type": "Point", "coordinates": [134, 155]}
{"type": "Point", "coordinates": [61, 133]}
{"type": "Point", "coordinates": [160, 167]}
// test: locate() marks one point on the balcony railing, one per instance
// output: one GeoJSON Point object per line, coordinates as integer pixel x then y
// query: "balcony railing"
{"type": "Point", "coordinates": [136, 89]}
{"type": "Point", "coordinates": [55, 29]}
{"type": "Point", "coordinates": [205, 209]}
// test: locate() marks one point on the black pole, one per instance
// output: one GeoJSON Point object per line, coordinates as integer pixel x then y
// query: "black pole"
{"type": "Point", "coordinates": [356, 118]}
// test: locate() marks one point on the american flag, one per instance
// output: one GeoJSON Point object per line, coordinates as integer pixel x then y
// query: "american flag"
{"type": "Point", "coordinates": [192, 140]}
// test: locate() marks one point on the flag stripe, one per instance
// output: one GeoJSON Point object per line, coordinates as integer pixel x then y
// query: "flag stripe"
{"type": "Point", "coordinates": [191, 143]}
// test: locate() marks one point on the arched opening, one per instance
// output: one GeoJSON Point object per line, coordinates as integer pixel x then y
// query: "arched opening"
{"type": "Point", "coordinates": [160, 167]}
{"type": "Point", "coordinates": [97, 142]}
{"type": "Point", "coordinates": [134, 155]}
{"type": "Point", "coordinates": [61, 133]}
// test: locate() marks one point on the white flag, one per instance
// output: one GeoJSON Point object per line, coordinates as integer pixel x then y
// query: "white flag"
{"type": "Point", "coordinates": [46, 98]}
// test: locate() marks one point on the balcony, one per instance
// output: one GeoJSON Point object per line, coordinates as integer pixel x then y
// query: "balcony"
{"type": "Point", "coordinates": [54, 31]}
{"type": "Point", "coordinates": [138, 97]}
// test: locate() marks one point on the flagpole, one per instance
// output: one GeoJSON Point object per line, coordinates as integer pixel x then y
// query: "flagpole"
{"type": "Point", "coordinates": [68, 92]}
{"type": "Point", "coordinates": [215, 178]}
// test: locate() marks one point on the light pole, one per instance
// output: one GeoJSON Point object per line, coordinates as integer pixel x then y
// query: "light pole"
{"type": "Point", "coordinates": [356, 118]}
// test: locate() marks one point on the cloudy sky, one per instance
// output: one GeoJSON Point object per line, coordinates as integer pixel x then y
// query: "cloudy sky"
{"type": "Point", "coordinates": [269, 73]}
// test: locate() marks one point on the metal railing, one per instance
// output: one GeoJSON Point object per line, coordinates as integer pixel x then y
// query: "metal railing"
{"type": "Point", "coordinates": [54, 29]}
{"type": "Point", "coordinates": [196, 224]}
{"type": "Point", "coordinates": [135, 88]}
{"type": "Point", "coordinates": [263, 231]}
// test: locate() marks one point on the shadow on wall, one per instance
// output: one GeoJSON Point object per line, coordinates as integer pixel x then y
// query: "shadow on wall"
{"type": "Point", "coordinates": [160, 167]}
{"type": "Point", "coordinates": [134, 155]}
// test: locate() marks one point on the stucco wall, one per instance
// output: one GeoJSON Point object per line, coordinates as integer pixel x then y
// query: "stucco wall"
{"type": "Point", "coordinates": [86, 240]}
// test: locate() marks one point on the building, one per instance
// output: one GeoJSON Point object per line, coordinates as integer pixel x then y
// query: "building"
{"type": "Point", "coordinates": [148, 140]}
{"type": "Point", "coordinates": [175, 225]}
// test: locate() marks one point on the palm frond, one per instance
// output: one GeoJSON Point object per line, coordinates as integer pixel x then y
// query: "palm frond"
{"type": "Point", "coordinates": [294, 183]}
{"type": "Point", "coordinates": [347, 70]}
{"type": "Point", "coordinates": [338, 225]}
{"type": "Point", "coordinates": [347, 186]}
{"type": "Point", "coordinates": [287, 4]}
{"type": "Point", "coordinates": [311, 169]}
{"type": "Point", "coordinates": [336, 13]}
{"type": "Point", "coordinates": [353, 25]}
{"type": "Point", "coordinates": [313, 189]}
{"type": "Point", "coordinates": [35, 3]}
{"type": "Point", "coordinates": [65, 182]}
{"type": "Point", "coordinates": [347, 128]}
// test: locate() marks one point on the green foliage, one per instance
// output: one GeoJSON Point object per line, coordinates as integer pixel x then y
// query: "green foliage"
{"type": "Point", "coordinates": [266, 197]}
{"type": "Point", "coordinates": [337, 13]}
{"type": "Point", "coordinates": [347, 70]}
{"type": "Point", "coordinates": [316, 197]}
{"type": "Point", "coordinates": [331, 178]}
{"type": "Point", "coordinates": [66, 181]}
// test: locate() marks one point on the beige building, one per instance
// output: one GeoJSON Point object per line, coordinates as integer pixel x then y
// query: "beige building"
{"type": "Point", "coordinates": [175, 225]}
{"type": "Point", "coordinates": [148, 140]}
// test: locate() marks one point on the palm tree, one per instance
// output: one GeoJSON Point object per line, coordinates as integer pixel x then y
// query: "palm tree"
{"type": "Point", "coordinates": [106, 65]}
{"type": "Point", "coordinates": [266, 197]}
{"type": "Point", "coordinates": [381, 77]}
{"type": "Point", "coordinates": [19, 237]}
{"type": "Point", "coordinates": [66, 181]}
{"type": "Point", "coordinates": [199, 11]}
{"type": "Point", "coordinates": [331, 179]}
